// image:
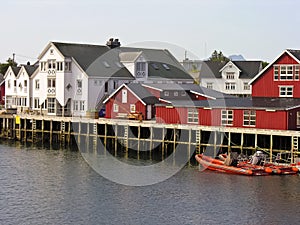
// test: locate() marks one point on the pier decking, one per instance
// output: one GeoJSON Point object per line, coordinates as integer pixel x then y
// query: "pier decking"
{"type": "Point", "coordinates": [146, 136]}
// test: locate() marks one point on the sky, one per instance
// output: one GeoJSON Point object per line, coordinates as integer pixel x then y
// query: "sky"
{"type": "Point", "coordinates": [256, 29]}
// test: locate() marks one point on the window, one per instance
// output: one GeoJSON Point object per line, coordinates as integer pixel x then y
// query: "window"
{"type": "Point", "coordinates": [44, 66]}
{"type": "Point", "coordinates": [37, 84]}
{"type": "Point", "coordinates": [227, 117]}
{"type": "Point", "coordinates": [51, 51]}
{"type": "Point", "coordinates": [75, 105]}
{"type": "Point", "coordinates": [175, 93]}
{"type": "Point", "coordinates": [246, 86]}
{"type": "Point", "coordinates": [79, 83]}
{"type": "Point", "coordinates": [115, 84]}
{"type": "Point", "coordinates": [286, 72]}
{"type": "Point", "coordinates": [106, 64]}
{"type": "Point", "coordinates": [68, 66]}
{"type": "Point", "coordinates": [209, 85]}
{"type": "Point", "coordinates": [106, 87]}
{"type": "Point", "coordinates": [51, 105]}
{"type": "Point", "coordinates": [15, 83]}
{"type": "Point", "coordinates": [192, 115]}
{"type": "Point", "coordinates": [116, 108]}
{"type": "Point", "coordinates": [140, 69]}
{"type": "Point", "coordinates": [59, 66]}
{"type": "Point", "coordinates": [51, 64]}
{"type": "Point", "coordinates": [124, 96]}
{"type": "Point", "coordinates": [285, 91]}
{"type": "Point", "coordinates": [229, 75]}
{"type": "Point", "coordinates": [229, 86]}
{"type": "Point", "coordinates": [8, 83]}
{"type": "Point", "coordinates": [289, 74]}
{"type": "Point", "coordinates": [166, 66]}
{"type": "Point", "coordinates": [36, 103]}
{"type": "Point", "coordinates": [132, 108]}
{"type": "Point", "coordinates": [276, 72]}
{"type": "Point", "coordinates": [166, 93]}
{"type": "Point", "coordinates": [249, 117]}
{"type": "Point", "coordinates": [298, 118]}
{"type": "Point", "coordinates": [81, 105]}
{"type": "Point", "coordinates": [183, 93]}
{"type": "Point", "coordinates": [25, 83]}
{"type": "Point", "coordinates": [155, 66]}
{"type": "Point", "coordinates": [297, 68]}
{"type": "Point", "coordinates": [51, 83]}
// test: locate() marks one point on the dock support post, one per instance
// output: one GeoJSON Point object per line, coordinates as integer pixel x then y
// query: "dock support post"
{"type": "Point", "coordinates": [242, 142]}
{"type": "Point", "coordinates": [229, 141]}
{"type": "Point", "coordinates": [271, 147]}
{"type": "Point", "coordinates": [139, 142]}
{"type": "Point", "coordinates": [151, 142]}
{"type": "Point", "coordinates": [215, 143]}
{"type": "Point", "coordinates": [116, 139]}
{"type": "Point", "coordinates": [189, 146]}
{"type": "Point", "coordinates": [163, 144]}
{"type": "Point", "coordinates": [51, 131]}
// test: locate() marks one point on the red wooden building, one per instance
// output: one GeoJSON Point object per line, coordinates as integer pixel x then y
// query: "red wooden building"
{"type": "Point", "coordinates": [130, 101]}
{"type": "Point", "coordinates": [262, 113]}
{"type": "Point", "coordinates": [280, 78]}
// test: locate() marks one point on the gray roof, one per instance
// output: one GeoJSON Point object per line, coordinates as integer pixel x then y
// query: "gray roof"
{"type": "Point", "coordinates": [95, 60]}
{"type": "Point", "coordinates": [248, 69]}
{"type": "Point", "coordinates": [30, 69]}
{"type": "Point", "coordinates": [16, 69]}
{"type": "Point", "coordinates": [243, 103]}
{"type": "Point", "coordinates": [295, 53]}
{"type": "Point", "coordinates": [190, 87]}
{"type": "Point", "coordinates": [143, 93]}
{"type": "Point", "coordinates": [167, 71]}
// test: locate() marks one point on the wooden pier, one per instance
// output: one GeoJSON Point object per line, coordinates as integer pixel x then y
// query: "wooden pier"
{"type": "Point", "coordinates": [147, 137]}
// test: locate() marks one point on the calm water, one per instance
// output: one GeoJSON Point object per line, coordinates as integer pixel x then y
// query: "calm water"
{"type": "Point", "coordinates": [42, 186]}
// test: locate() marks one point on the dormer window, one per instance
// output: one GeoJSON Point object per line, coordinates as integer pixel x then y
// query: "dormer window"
{"type": "Point", "coordinates": [166, 66]}
{"type": "Point", "coordinates": [140, 69]}
{"type": "Point", "coordinates": [68, 66]}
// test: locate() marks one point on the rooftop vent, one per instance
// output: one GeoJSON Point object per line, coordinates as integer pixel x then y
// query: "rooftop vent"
{"type": "Point", "coordinates": [113, 43]}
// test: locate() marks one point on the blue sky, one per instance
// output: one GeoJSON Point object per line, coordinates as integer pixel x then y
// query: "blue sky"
{"type": "Point", "coordinates": [257, 29]}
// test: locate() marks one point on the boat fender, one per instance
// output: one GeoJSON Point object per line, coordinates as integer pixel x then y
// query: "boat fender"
{"type": "Point", "coordinates": [268, 170]}
{"type": "Point", "coordinates": [295, 169]}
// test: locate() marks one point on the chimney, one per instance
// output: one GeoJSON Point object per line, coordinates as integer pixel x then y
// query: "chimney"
{"type": "Point", "coordinates": [113, 43]}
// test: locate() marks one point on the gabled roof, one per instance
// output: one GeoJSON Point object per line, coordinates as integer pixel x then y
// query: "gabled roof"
{"type": "Point", "coordinates": [142, 93]}
{"type": "Point", "coordinates": [95, 60]}
{"type": "Point", "coordinates": [295, 54]}
{"type": "Point", "coordinates": [16, 69]}
{"type": "Point", "coordinates": [243, 103]}
{"type": "Point", "coordinates": [249, 69]}
{"type": "Point", "coordinates": [139, 91]}
{"type": "Point", "coordinates": [30, 69]}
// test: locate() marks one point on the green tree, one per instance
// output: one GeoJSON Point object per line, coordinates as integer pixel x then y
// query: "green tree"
{"type": "Point", "coordinates": [4, 66]}
{"type": "Point", "coordinates": [264, 64]}
{"type": "Point", "coordinates": [218, 57]}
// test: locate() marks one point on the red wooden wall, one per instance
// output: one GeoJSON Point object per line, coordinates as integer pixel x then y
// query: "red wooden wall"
{"type": "Point", "coordinates": [123, 107]}
{"type": "Point", "coordinates": [265, 86]}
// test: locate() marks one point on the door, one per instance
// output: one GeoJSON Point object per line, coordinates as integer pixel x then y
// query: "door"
{"type": "Point", "coordinates": [149, 112]}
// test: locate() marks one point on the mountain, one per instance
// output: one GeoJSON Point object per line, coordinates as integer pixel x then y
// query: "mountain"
{"type": "Point", "coordinates": [236, 58]}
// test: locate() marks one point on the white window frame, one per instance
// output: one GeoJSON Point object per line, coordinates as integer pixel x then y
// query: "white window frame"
{"type": "Point", "coordinates": [115, 107]}
{"type": "Point", "coordinates": [286, 91]}
{"type": "Point", "coordinates": [297, 73]}
{"type": "Point", "coordinates": [246, 86]}
{"type": "Point", "coordinates": [230, 76]}
{"type": "Point", "coordinates": [124, 96]}
{"type": "Point", "coordinates": [298, 119]}
{"type": "Point", "coordinates": [140, 69]}
{"type": "Point", "coordinates": [229, 86]}
{"type": "Point", "coordinates": [51, 106]}
{"type": "Point", "coordinates": [132, 108]}
{"type": "Point", "coordinates": [209, 85]}
{"type": "Point", "coordinates": [226, 117]}
{"type": "Point", "coordinates": [36, 104]}
{"type": "Point", "coordinates": [37, 84]}
{"type": "Point", "coordinates": [249, 118]}
{"type": "Point", "coordinates": [276, 72]}
{"type": "Point", "coordinates": [193, 115]}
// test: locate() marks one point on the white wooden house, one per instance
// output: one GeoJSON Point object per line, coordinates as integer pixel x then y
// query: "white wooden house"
{"type": "Point", "coordinates": [229, 77]}
{"type": "Point", "coordinates": [74, 79]}
{"type": "Point", "coordinates": [10, 78]}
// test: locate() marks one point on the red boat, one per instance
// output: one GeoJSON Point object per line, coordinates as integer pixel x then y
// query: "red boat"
{"type": "Point", "coordinates": [281, 169]}
{"type": "Point", "coordinates": [243, 169]}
